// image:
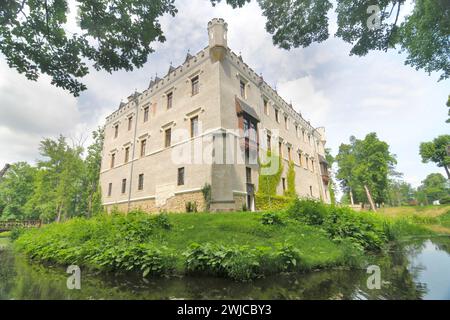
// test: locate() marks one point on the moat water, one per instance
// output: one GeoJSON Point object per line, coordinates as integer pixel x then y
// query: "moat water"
{"type": "Point", "coordinates": [418, 269]}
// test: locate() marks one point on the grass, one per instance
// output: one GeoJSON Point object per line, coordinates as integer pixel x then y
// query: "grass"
{"type": "Point", "coordinates": [238, 245]}
{"type": "Point", "coordinates": [424, 211]}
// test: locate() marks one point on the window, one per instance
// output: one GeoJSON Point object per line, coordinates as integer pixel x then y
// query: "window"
{"type": "Point", "coordinates": [109, 189]}
{"type": "Point", "coordinates": [124, 185]}
{"type": "Point", "coordinates": [310, 191]}
{"type": "Point", "coordinates": [169, 100]}
{"type": "Point", "coordinates": [248, 174]}
{"type": "Point", "coordinates": [307, 162]}
{"type": "Point", "coordinates": [276, 116]}
{"type": "Point", "coordinates": [180, 179]}
{"type": "Point", "coordinates": [146, 114]}
{"type": "Point", "coordinates": [266, 106]}
{"type": "Point", "coordinates": [246, 128]}
{"type": "Point", "coordinates": [141, 182]}
{"type": "Point", "coordinates": [143, 146]}
{"type": "Point", "coordinates": [130, 123]}
{"type": "Point", "coordinates": [283, 180]}
{"type": "Point", "coordinates": [309, 139]}
{"type": "Point", "coordinates": [312, 165]}
{"type": "Point", "coordinates": [116, 131]}
{"type": "Point", "coordinates": [168, 138]}
{"type": "Point", "coordinates": [194, 126]}
{"type": "Point", "coordinates": [296, 130]}
{"type": "Point", "coordinates": [286, 122]}
{"type": "Point", "coordinates": [300, 161]}
{"type": "Point", "coordinates": [280, 150]}
{"type": "Point", "coordinates": [113, 160]}
{"type": "Point", "coordinates": [289, 153]}
{"type": "Point", "coordinates": [127, 154]}
{"type": "Point", "coordinates": [242, 86]}
{"type": "Point", "coordinates": [303, 134]}
{"type": "Point", "coordinates": [269, 142]}
{"type": "Point", "coordinates": [195, 85]}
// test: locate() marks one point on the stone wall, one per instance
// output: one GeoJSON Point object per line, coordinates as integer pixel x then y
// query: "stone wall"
{"type": "Point", "coordinates": [176, 203]}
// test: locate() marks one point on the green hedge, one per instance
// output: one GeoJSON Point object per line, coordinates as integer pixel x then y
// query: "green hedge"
{"type": "Point", "coordinates": [266, 203]}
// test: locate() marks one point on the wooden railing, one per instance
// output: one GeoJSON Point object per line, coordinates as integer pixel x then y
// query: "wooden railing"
{"type": "Point", "coordinates": [11, 224]}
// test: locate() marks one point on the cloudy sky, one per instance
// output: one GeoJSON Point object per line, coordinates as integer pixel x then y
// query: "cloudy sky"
{"type": "Point", "coordinates": [347, 95]}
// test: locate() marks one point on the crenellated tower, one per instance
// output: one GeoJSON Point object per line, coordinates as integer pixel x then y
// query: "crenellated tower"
{"type": "Point", "coordinates": [217, 33]}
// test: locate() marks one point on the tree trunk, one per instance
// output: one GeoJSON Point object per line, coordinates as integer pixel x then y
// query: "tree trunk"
{"type": "Point", "coordinates": [448, 172]}
{"type": "Point", "coordinates": [58, 217]}
{"type": "Point", "coordinates": [369, 197]}
{"type": "Point", "coordinates": [351, 197]}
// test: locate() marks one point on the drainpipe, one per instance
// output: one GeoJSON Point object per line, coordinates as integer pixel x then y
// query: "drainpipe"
{"type": "Point", "coordinates": [132, 152]}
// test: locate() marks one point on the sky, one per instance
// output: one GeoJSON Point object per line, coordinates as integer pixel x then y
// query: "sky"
{"type": "Point", "coordinates": [347, 95]}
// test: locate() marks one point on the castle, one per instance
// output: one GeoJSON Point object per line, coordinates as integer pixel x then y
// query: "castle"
{"type": "Point", "coordinates": [205, 128]}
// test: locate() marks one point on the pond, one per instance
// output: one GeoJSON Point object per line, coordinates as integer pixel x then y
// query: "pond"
{"type": "Point", "coordinates": [418, 269]}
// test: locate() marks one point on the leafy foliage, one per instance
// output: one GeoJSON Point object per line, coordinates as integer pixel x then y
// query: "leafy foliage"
{"type": "Point", "coordinates": [62, 185]}
{"type": "Point", "coordinates": [271, 218]}
{"type": "Point", "coordinates": [434, 187]}
{"type": "Point", "coordinates": [113, 35]}
{"type": "Point", "coordinates": [272, 202]}
{"type": "Point", "coordinates": [436, 151]}
{"type": "Point", "coordinates": [16, 188]}
{"type": "Point", "coordinates": [268, 183]}
{"type": "Point", "coordinates": [290, 191]}
{"type": "Point", "coordinates": [365, 162]}
{"type": "Point", "coordinates": [340, 223]}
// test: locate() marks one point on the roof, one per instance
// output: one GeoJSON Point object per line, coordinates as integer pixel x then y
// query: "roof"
{"type": "Point", "coordinates": [247, 109]}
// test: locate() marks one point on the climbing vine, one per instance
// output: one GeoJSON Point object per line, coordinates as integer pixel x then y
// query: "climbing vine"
{"type": "Point", "coordinates": [267, 183]}
{"type": "Point", "coordinates": [291, 192]}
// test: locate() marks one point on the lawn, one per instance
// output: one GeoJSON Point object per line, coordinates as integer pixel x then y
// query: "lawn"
{"type": "Point", "coordinates": [427, 211]}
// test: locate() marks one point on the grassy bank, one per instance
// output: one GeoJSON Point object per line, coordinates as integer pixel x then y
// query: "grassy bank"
{"type": "Point", "coordinates": [240, 245]}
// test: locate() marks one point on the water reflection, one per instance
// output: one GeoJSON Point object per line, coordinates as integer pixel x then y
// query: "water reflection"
{"type": "Point", "coordinates": [417, 270]}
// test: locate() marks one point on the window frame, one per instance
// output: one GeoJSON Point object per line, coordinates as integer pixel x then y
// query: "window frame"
{"type": "Point", "coordinates": [195, 85]}
{"type": "Point", "coordinates": [180, 176]}
{"type": "Point", "coordinates": [168, 138]}
{"type": "Point", "coordinates": [141, 182]}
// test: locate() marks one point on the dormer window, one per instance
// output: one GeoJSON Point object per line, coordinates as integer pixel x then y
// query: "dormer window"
{"type": "Point", "coordinates": [146, 109]}
{"type": "Point", "coordinates": [277, 116]}
{"type": "Point", "coordinates": [116, 130]}
{"type": "Point", "coordinates": [266, 107]}
{"type": "Point", "coordinates": [286, 123]}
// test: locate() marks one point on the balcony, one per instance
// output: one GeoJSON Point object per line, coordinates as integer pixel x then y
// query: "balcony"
{"type": "Point", "coordinates": [325, 179]}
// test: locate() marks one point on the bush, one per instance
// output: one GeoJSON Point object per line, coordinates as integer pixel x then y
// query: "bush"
{"type": "Point", "coordinates": [340, 222]}
{"type": "Point", "coordinates": [191, 206]}
{"type": "Point", "coordinates": [236, 262]}
{"type": "Point", "coordinates": [16, 232]}
{"type": "Point", "coordinates": [308, 211]}
{"type": "Point", "coordinates": [288, 258]}
{"type": "Point", "coordinates": [445, 200]}
{"type": "Point", "coordinates": [270, 218]}
{"type": "Point", "coordinates": [275, 203]}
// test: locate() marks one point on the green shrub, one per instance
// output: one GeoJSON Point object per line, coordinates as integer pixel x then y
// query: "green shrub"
{"type": "Point", "coordinates": [445, 200]}
{"type": "Point", "coordinates": [236, 262]}
{"type": "Point", "coordinates": [288, 258]}
{"type": "Point", "coordinates": [308, 211]}
{"type": "Point", "coordinates": [16, 232]}
{"type": "Point", "coordinates": [162, 220]}
{"type": "Point", "coordinates": [275, 203]}
{"type": "Point", "coordinates": [191, 206]}
{"type": "Point", "coordinates": [270, 218]}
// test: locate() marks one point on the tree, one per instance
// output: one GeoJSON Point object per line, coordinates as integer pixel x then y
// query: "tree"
{"type": "Point", "coordinates": [16, 188]}
{"type": "Point", "coordinates": [448, 106]}
{"type": "Point", "coordinates": [365, 165]}
{"type": "Point", "coordinates": [58, 188]}
{"type": "Point", "coordinates": [423, 35]}
{"type": "Point", "coordinates": [436, 151]}
{"type": "Point", "coordinates": [400, 193]}
{"type": "Point", "coordinates": [434, 187]}
{"type": "Point", "coordinates": [114, 35]}
{"type": "Point", "coordinates": [91, 185]}
{"type": "Point", "coordinates": [331, 185]}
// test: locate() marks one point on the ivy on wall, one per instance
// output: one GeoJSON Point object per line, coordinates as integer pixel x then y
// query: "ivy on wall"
{"type": "Point", "coordinates": [290, 191]}
{"type": "Point", "coordinates": [267, 183]}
